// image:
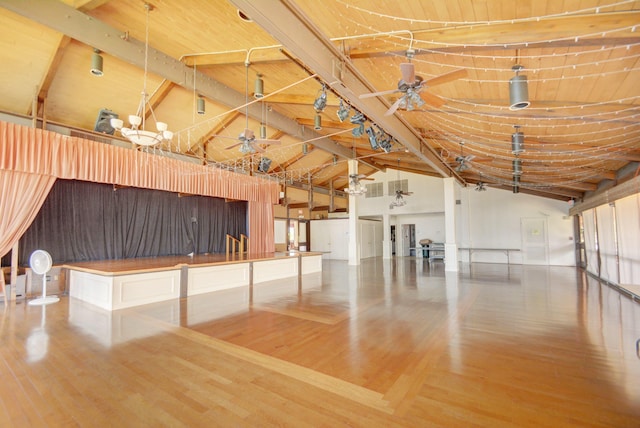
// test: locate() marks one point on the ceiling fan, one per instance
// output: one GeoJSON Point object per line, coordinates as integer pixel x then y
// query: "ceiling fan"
{"type": "Point", "coordinates": [248, 141]}
{"type": "Point", "coordinates": [464, 162]}
{"type": "Point", "coordinates": [410, 86]}
{"type": "Point", "coordinates": [354, 179]}
{"type": "Point", "coordinates": [481, 186]}
{"type": "Point", "coordinates": [399, 200]}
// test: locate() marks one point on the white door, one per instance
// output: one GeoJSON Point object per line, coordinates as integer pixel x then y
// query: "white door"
{"type": "Point", "coordinates": [535, 243]}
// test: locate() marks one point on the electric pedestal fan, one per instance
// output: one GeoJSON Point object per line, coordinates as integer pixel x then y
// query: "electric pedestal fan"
{"type": "Point", "coordinates": [40, 263]}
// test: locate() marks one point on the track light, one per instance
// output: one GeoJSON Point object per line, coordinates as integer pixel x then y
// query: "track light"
{"type": "Point", "coordinates": [516, 184]}
{"type": "Point", "coordinates": [321, 101]}
{"type": "Point", "coordinates": [200, 105]}
{"type": "Point", "coordinates": [357, 119]}
{"type": "Point", "coordinates": [518, 90]}
{"type": "Point", "coordinates": [343, 112]}
{"type": "Point", "coordinates": [96, 63]}
{"type": "Point", "coordinates": [373, 139]}
{"type": "Point", "coordinates": [305, 148]}
{"type": "Point", "coordinates": [259, 87]}
{"type": "Point", "coordinates": [317, 122]}
{"type": "Point", "coordinates": [517, 141]}
{"type": "Point", "coordinates": [335, 160]}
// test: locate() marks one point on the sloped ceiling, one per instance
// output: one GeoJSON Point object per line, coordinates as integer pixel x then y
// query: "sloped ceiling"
{"type": "Point", "coordinates": [581, 130]}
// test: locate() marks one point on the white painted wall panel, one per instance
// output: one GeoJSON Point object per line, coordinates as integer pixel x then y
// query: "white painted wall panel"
{"type": "Point", "coordinates": [214, 278]}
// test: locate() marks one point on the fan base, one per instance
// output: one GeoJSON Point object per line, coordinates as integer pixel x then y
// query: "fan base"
{"type": "Point", "coordinates": [44, 300]}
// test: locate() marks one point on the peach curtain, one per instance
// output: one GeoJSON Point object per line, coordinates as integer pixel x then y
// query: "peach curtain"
{"type": "Point", "coordinates": [22, 195]}
{"type": "Point", "coordinates": [261, 228]}
{"type": "Point", "coordinates": [46, 153]}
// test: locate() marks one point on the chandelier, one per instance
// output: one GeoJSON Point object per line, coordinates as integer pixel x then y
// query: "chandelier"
{"type": "Point", "coordinates": [137, 133]}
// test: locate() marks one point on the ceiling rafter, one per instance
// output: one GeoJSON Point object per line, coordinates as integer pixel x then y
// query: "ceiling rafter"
{"type": "Point", "coordinates": [92, 32]}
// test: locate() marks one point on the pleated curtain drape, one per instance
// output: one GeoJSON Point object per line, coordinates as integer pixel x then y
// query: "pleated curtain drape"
{"type": "Point", "coordinates": [44, 156]}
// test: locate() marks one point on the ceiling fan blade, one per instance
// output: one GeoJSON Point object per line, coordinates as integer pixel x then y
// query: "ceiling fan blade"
{"type": "Point", "coordinates": [376, 94]}
{"type": "Point", "coordinates": [394, 107]}
{"type": "Point", "coordinates": [447, 77]}
{"type": "Point", "coordinates": [257, 148]}
{"type": "Point", "coordinates": [408, 72]}
{"type": "Point", "coordinates": [231, 147]}
{"type": "Point", "coordinates": [432, 99]}
{"type": "Point", "coordinates": [265, 141]}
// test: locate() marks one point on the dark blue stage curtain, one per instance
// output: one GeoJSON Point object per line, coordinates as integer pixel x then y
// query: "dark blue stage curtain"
{"type": "Point", "coordinates": [89, 221]}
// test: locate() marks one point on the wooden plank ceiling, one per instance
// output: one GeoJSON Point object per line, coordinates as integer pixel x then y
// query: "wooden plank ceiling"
{"type": "Point", "coordinates": [580, 57]}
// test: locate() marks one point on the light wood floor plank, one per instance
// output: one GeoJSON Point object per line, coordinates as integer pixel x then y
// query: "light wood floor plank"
{"type": "Point", "coordinates": [387, 343]}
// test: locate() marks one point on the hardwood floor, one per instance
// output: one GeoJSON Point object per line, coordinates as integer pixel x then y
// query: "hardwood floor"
{"type": "Point", "coordinates": [388, 343]}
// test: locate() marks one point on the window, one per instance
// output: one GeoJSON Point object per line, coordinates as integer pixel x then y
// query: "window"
{"type": "Point", "coordinates": [374, 190]}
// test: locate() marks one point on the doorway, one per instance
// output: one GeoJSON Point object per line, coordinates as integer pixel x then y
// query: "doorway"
{"type": "Point", "coordinates": [409, 239]}
{"type": "Point", "coordinates": [535, 242]}
{"type": "Point", "coordinates": [393, 240]}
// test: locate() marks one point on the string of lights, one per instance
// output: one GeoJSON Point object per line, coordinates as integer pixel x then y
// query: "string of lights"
{"type": "Point", "coordinates": [594, 9]}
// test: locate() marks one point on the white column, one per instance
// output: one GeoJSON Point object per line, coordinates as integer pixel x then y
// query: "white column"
{"type": "Point", "coordinates": [354, 230]}
{"type": "Point", "coordinates": [450, 247]}
{"type": "Point", "coordinates": [386, 237]}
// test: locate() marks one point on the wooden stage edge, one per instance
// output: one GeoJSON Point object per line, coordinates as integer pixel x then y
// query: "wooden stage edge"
{"type": "Point", "coordinates": [118, 284]}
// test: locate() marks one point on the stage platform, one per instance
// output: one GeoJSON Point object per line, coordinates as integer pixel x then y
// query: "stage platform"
{"type": "Point", "coordinates": [117, 284]}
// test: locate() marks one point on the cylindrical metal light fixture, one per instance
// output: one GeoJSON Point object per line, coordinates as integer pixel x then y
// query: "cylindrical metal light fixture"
{"type": "Point", "coordinates": [516, 184]}
{"type": "Point", "coordinates": [518, 90]}
{"type": "Point", "coordinates": [200, 105]}
{"type": "Point", "coordinates": [517, 167]}
{"type": "Point", "coordinates": [259, 87]}
{"type": "Point", "coordinates": [96, 63]}
{"type": "Point", "coordinates": [517, 142]}
{"type": "Point", "coordinates": [317, 122]}
{"type": "Point", "coordinates": [263, 131]}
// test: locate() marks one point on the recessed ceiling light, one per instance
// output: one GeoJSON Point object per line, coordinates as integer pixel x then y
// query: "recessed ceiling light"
{"type": "Point", "coordinates": [244, 16]}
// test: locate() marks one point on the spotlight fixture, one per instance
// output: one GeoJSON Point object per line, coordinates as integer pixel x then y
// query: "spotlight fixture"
{"type": "Point", "coordinates": [517, 167]}
{"type": "Point", "coordinates": [305, 148]}
{"type": "Point", "coordinates": [317, 122]}
{"type": "Point", "coordinates": [200, 105]}
{"type": "Point", "coordinates": [263, 131]}
{"type": "Point", "coordinates": [259, 87]}
{"type": "Point", "coordinates": [343, 112]}
{"type": "Point", "coordinates": [373, 139]}
{"type": "Point", "coordinates": [517, 141]}
{"type": "Point", "coordinates": [516, 184]}
{"type": "Point", "coordinates": [264, 165]}
{"type": "Point", "coordinates": [385, 143]}
{"type": "Point", "coordinates": [357, 119]}
{"type": "Point", "coordinates": [518, 90]}
{"type": "Point", "coordinates": [96, 63]}
{"type": "Point", "coordinates": [335, 160]}
{"type": "Point", "coordinates": [321, 101]}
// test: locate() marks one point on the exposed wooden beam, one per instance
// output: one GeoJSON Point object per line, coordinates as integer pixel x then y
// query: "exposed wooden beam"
{"type": "Point", "coordinates": [157, 97]}
{"type": "Point", "coordinates": [215, 130]}
{"type": "Point", "coordinates": [52, 69]}
{"type": "Point", "coordinates": [288, 24]}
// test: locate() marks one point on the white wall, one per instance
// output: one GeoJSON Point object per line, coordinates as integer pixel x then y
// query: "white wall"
{"type": "Point", "coordinates": [428, 195]}
{"type": "Point", "coordinates": [492, 219]}
{"type": "Point", "coordinates": [331, 237]}
{"type": "Point", "coordinates": [489, 219]}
